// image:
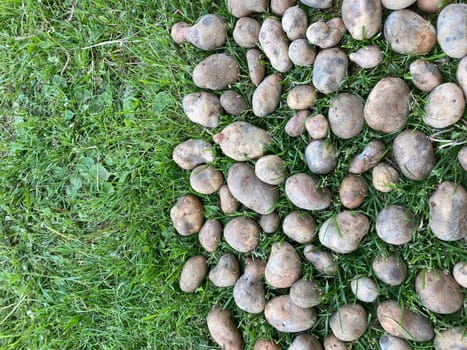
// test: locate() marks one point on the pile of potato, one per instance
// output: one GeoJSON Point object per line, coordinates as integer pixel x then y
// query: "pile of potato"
{"type": "Point", "coordinates": [257, 179]}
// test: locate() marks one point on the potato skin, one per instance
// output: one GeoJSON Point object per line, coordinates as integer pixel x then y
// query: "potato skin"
{"type": "Point", "coordinates": [299, 227]}
{"type": "Point", "coordinates": [193, 273]}
{"type": "Point", "coordinates": [205, 179]}
{"type": "Point", "coordinates": [280, 6]}
{"type": "Point", "coordinates": [346, 116]}
{"type": "Point", "coordinates": [326, 34]}
{"type": "Point", "coordinates": [223, 330]}
{"type": "Point", "coordinates": [367, 57]}
{"type": "Point", "coordinates": [390, 342]}
{"type": "Point", "coordinates": [191, 153]}
{"type": "Point", "coordinates": [266, 97]}
{"type": "Point", "coordinates": [256, 68]}
{"type": "Point", "coordinates": [321, 156]}
{"type": "Point", "coordinates": [353, 191]}
{"type": "Point", "coordinates": [459, 272]}
{"type": "Point", "coordinates": [445, 106]}
{"type": "Point", "coordinates": [275, 45]}
{"type": "Point", "coordinates": [216, 72]}
{"type": "Point", "coordinates": [242, 234]}
{"type": "Point", "coordinates": [349, 322]}
{"type": "Point", "coordinates": [321, 260]}
{"type": "Point", "coordinates": [365, 289]}
{"type": "Point", "coordinates": [390, 270]}
{"type": "Point", "coordinates": [395, 225]}
{"type": "Point", "coordinates": [284, 266]}
{"type": "Point", "coordinates": [248, 292]}
{"type": "Point", "coordinates": [432, 6]}
{"type": "Point", "coordinates": [425, 75]}
{"type": "Point", "coordinates": [246, 32]}
{"type": "Point", "coordinates": [243, 8]}
{"type": "Point", "coordinates": [329, 70]}
{"type": "Point", "coordinates": [226, 272]}
{"type": "Point", "coordinates": [228, 203]}
{"type": "Point", "coordinates": [264, 344]}
{"type": "Point", "coordinates": [285, 316]}
{"type": "Point", "coordinates": [294, 23]}
{"type": "Point", "coordinates": [301, 53]}
{"type": "Point", "coordinates": [362, 18]}
{"type": "Point", "coordinates": [305, 342]}
{"type": "Point", "coordinates": [301, 189]}
{"type": "Point", "coordinates": [187, 215]}
{"type": "Point", "coordinates": [210, 234]}
{"type": "Point", "coordinates": [368, 158]}
{"type": "Point", "coordinates": [332, 343]}
{"type": "Point", "coordinates": [384, 177]}
{"type": "Point", "coordinates": [296, 125]}
{"type": "Point", "coordinates": [450, 339]}
{"type": "Point", "coordinates": [452, 38]}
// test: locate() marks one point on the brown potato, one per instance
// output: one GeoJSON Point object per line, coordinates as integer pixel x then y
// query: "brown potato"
{"type": "Point", "coordinates": [432, 6]}
{"type": "Point", "coordinates": [321, 156]}
{"type": "Point", "coordinates": [370, 156]}
{"type": "Point", "coordinates": [208, 34]}
{"type": "Point", "coordinates": [349, 322]}
{"type": "Point", "coordinates": [271, 169]}
{"type": "Point", "coordinates": [233, 103]}
{"type": "Point", "coordinates": [226, 272]}
{"type": "Point", "coordinates": [319, 4]}
{"type": "Point", "coordinates": [246, 32]}
{"type": "Point", "coordinates": [248, 291]}
{"type": "Point", "coordinates": [451, 339]}
{"type": "Point", "coordinates": [385, 177]}
{"type": "Point", "coordinates": [448, 217]}
{"type": "Point", "coordinates": [263, 344]}
{"type": "Point", "coordinates": [294, 23]}
{"type": "Point", "coordinates": [459, 273]}
{"type": "Point", "coordinates": [270, 222]}
{"type": "Point", "coordinates": [425, 75]}
{"type": "Point", "coordinates": [452, 38]}
{"type": "Point", "coordinates": [367, 57]}
{"type": "Point", "coordinates": [353, 191]}
{"type": "Point", "coordinates": [390, 270]}
{"type": "Point", "coordinates": [409, 33]}
{"type": "Point", "coordinates": [202, 108]}
{"type": "Point", "coordinates": [210, 235]}
{"type": "Point", "coordinates": [305, 342]}
{"type": "Point", "coordinates": [438, 291]}
{"type": "Point", "coordinates": [243, 141]}
{"type": "Point", "coordinates": [285, 316]}
{"type": "Point", "coordinates": [284, 266]}
{"type": "Point", "coordinates": [216, 72]}
{"type": "Point", "coordinates": [403, 323]}
{"type": "Point", "coordinates": [305, 293]}
{"type": "Point", "coordinates": [343, 232]}
{"type": "Point", "coordinates": [326, 34]}
{"type": "Point", "coordinates": [303, 191]}
{"type": "Point", "coordinates": [228, 203]}
{"type": "Point", "coordinates": [301, 97]}
{"type": "Point", "coordinates": [242, 234]}
{"type": "Point", "coordinates": [330, 69]}
{"type": "Point", "coordinates": [301, 53]}
{"type": "Point", "coordinates": [256, 68]}
{"type": "Point", "coordinates": [266, 97]}
{"type": "Point", "coordinates": [205, 179]}
{"type": "Point", "coordinates": [414, 154]}
{"type": "Point", "coordinates": [280, 6]}
{"type": "Point", "coordinates": [317, 127]}
{"type": "Point", "coordinates": [187, 215]}
{"type": "Point", "coordinates": [362, 18]}
{"type": "Point", "coordinates": [395, 225]}
{"type": "Point", "coordinates": [365, 289]}
{"type": "Point", "coordinates": [296, 125]}
{"type": "Point", "coordinates": [223, 330]}
{"type": "Point", "coordinates": [194, 272]}
{"type": "Point", "coordinates": [300, 227]}
{"type": "Point", "coordinates": [243, 8]}
{"type": "Point", "coordinates": [445, 106]}
{"type": "Point", "coordinates": [332, 343]}
{"type": "Point", "coordinates": [461, 75]}
{"type": "Point", "coordinates": [462, 157]}
{"type": "Point", "coordinates": [346, 116]}
{"type": "Point", "coordinates": [388, 105]}
{"type": "Point", "coordinates": [389, 342]}
{"type": "Point", "coordinates": [275, 45]}
{"type": "Point", "coordinates": [321, 260]}
{"type": "Point", "coordinates": [191, 153]}
{"type": "Point", "coordinates": [250, 191]}
{"type": "Point", "coordinates": [397, 4]}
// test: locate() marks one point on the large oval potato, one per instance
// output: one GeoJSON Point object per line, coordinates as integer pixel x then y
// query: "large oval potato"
{"type": "Point", "coordinates": [346, 116]}
{"type": "Point", "coordinates": [453, 38]}
{"type": "Point", "coordinates": [303, 191]}
{"type": "Point", "coordinates": [203, 108]}
{"type": "Point", "coordinates": [294, 23]}
{"type": "Point", "coordinates": [267, 95]}
{"type": "Point", "coordinates": [329, 70]}
{"type": "Point", "coordinates": [362, 18]}
{"type": "Point", "coordinates": [191, 153]}
{"type": "Point", "coordinates": [223, 330]}
{"type": "Point", "coordinates": [284, 266]}
{"type": "Point", "coordinates": [275, 45]}
{"type": "Point", "coordinates": [233, 103]}
{"type": "Point", "coordinates": [395, 225]}
{"type": "Point", "coordinates": [285, 316]}
{"type": "Point", "coordinates": [194, 272]}
{"type": "Point", "coordinates": [216, 72]}
{"type": "Point", "coordinates": [445, 106]}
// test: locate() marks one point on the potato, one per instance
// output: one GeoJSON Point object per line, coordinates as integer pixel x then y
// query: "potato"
{"type": "Point", "coordinates": [353, 191]}
{"type": "Point", "coordinates": [301, 97]}
{"type": "Point", "coordinates": [205, 179]}
{"type": "Point", "coordinates": [365, 289]}
{"type": "Point", "coordinates": [250, 191]}
{"type": "Point", "coordinates": [370, 156]}
{"type": "Point", "coordinates": [414, 154]}
{"type": "Point", "coordinates": [284, 266]}
{"type": "Point", "coordinates": [242, 234]}
{"type": "Point", "coordinates": [271, 169]}
{"type": "Point", "coordinates": [403, 323]}
{"type": "Point", "coordinates": [194, 272]}
{"type": "Point", "coordinates": [305, 293]}
{"type": "Point", "coordinates": [223, 330]}
{"type": "Point", "coordinates": [397, 4]}
{"type": "Point", "coordinates": [462, 157]}
{"type": "Point", "coordinates": [332, 343]}
{"type": "Point", "coordinates": [263, 344]}
{"type": "Point", "coordinates": [256, 68]}
{"type": "Point", "coordinates": [452, 38]}
{"type": "Point", "coordinates": [296, 125]}
{"type": "Point", "coordinates": [226, 272]}
{"type": "Point", "coordinates": [385, 177]}
{"type": "Point", "coordinates": [396, 225]}
{"type": "Point", "coordinates": [299, 227]}
{"type": "Point", "coordinates": [228, 203]}
{"type": "Point", "coordinates": [208, 34]}
{"type": "Point", "coordinates": [210, 235]}
{"type": "Point", "coordinates": [343, 232]}
{"type": "Point", "coordinates": [246, 32]}
{"type": "Point", "coordinates": [305, 342]}
{"type": "Point", "coordinates": [191, 153]}
{"type": "Point", "coordinates": [275, 45]}
{"type": "Point", "coordinates": [321, 260]}
{"type": "Point", "coordinates": [270, 222]}
{"type": "Point", "coordinates": [451, 339]}
{"type": "Point", "coordinates": [367, 57]}
{"type": "Point", "coordinates": [349, 322]}
{"type": "Point", "coordinates": [445, 106]}
{"type": "Point", "coordinates": [303, 191]}
{"type": "Point", "coordinates": [233, 103]}
{"type": "Point", "coordinates": [390, 270]}
{"type": "Point", "coordinates": [346, 116]}
{"type": "Point", "coordinates": [301, 53]}
{"type": "Point", "coordinates": [216, 72]}
{"type": "Point", "coordinates": [202, 108]}
{"type": "Point", "coordinates": [267, 95]}
{"type": "Point", "coordinates": [248, 291]}
{"type": "Point", "coordinates": [409, 33]}
{"type": "Point", "coordinates": [362, 18]}
{"type": "Point", "coordinates": [438, 291]}
{"type": "Point", "coordinates": [187, 215]}
{"type": "Point", "coordinates": [294, 23]}
{"type": "Point", "coordinates": [460, 274]}
{"type": "Point", "coordinates": [319, 4]}
{"type": "Point", "coordinates": [317, 127]}
{"type": "Point", "coordinates": [425, 75]}
{"type": "Point", "coordinates": [387, 107]}
{"type": "Point", "coordinates": [278, 7]}
{"type": "Point", "coordinates": [321, 156]}
{"type": "Point", "coordinates": [330, 69]}
{"type": "Point", "coordinates": [242, 141]}
{"type": "Point", "coordinates": [326, 34]}
{"type": "Point", "coordinates": [243, 8]}
{"type": "Point", "coordinates": [285, 316]}
{"type": "Point", "coordinates": [389, 342]}
{"type": "Point", "coordinates": [432, 6]}
{"type": "Point", "coordinates": [461, 75]}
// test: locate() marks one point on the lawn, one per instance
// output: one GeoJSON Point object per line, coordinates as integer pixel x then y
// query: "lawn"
{"type": "Point", "coordinates": [90, 111]}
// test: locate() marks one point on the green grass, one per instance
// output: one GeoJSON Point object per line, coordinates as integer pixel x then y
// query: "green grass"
{"type": "Point", "coordinates": [90, 112]}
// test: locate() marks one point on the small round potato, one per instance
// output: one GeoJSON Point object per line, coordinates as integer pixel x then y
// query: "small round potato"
{"type": "Point", "coordinates": [321, 260]}
{"type": "Point", "coordinates": [264, 344]}
{"type": "Point", "coordinates": [367, 57]}
{"type": "Point", "coordinates": [187, 215]}
{"type": "Point", "coordinates": [305, 342]}
{"type": "Point", "coordinates": [397, 4]}
{"type": "Point", "coordinates": [385, 177]}
{"type": "Point", "coordinates": [368, 158]}
{"type": "Point", "coordinates": [270, 222]}
{"type": "Point", "coordinates": [248, 291]}
{"type": "Point", "coordinates": [460, 274]}
{"type": "Point", "coordinates": [205, 179]}
{"type": "Point", "coordinates": [296, 125]}
{"type": "Point", "coordinates": [451, 339]}
{"type": "Point", "coordinates": [256, 68]}
{"type": "Point", "coordinates": [210, 235]}
{"type": "Point", "coordinates": [445, 106]}
{"type": "Point", "coordinates": [301, 97]}
{"type": "Point", "coordinates": [317, 127]}
{"type": "Point", "coordinates": [390, 270]}
{"type": "Point", "coordinates": [243, 8]}
{"type": "Point", "coordinates": [202, 108]}
{"type": "Point", "coordinates": [275, 45]}
{"type": "Point", "coordinates": [353, 191]}
{"type": "Point", "coordinates": [425, 75]}
{"type": "Point", "coordinates": [451, 37]}
{"type": "Point", "coordinates": [346, 116]}
{"type": "Point", "coordinates": [332, 343]}
{"type": "Point", "coordinates": [326, 34]}
{"type": "Point", "coordinates": [301, 53]}
{"type": "Point", "coordinates": [395, 225]}
{"type": "Point", "coordinates": [280, 6]}
{"type": "Point", "coordinates": [390, 342]}
{"type": "Point", "coordinates": [284, 266]}
{"type": "Point", "coordinates": [191, 153]}
{"type": "Point", "coordinates": [362, 18]}
{"type": "Point", "coordinates": [266, 97]}
{"type": "Point", "coordinates": [194, 272]}
{"type": "Point", "coordinates": [294, 23]}
{"type": "Point", "coordinates": [271, 169]}
{"type": "Point", "coordinates": [303, 191]}
{"type": "Point", "coordinates": [242, 234]}
{"type": "Point", "coordinates": [223, 330]}
{"type": "Point", "coordinates": [321, 156]}
{"type": "Point", "coordinates": [233, 103]}
{"type": "Point", "coordinates": [349, 322]}
{"type": "Point", "coordinates": [228, 203]}
{"type": "Point", "coordinates": [285, 316]}
{"type": "Point", "coordinates": [216, 72]}
{"type": "Point", "coordinates": [305, 293]}
{"type": "Point", "coordinates": [329, 70]}
{"type": "Point", "coordinates": [246, 32]}
{"type": "Point", "coordinates": [299, 226]}
{"type": "Point", "coordinates": [226, 272]}
{"type": "Point", "coordinates": [365, 289]}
